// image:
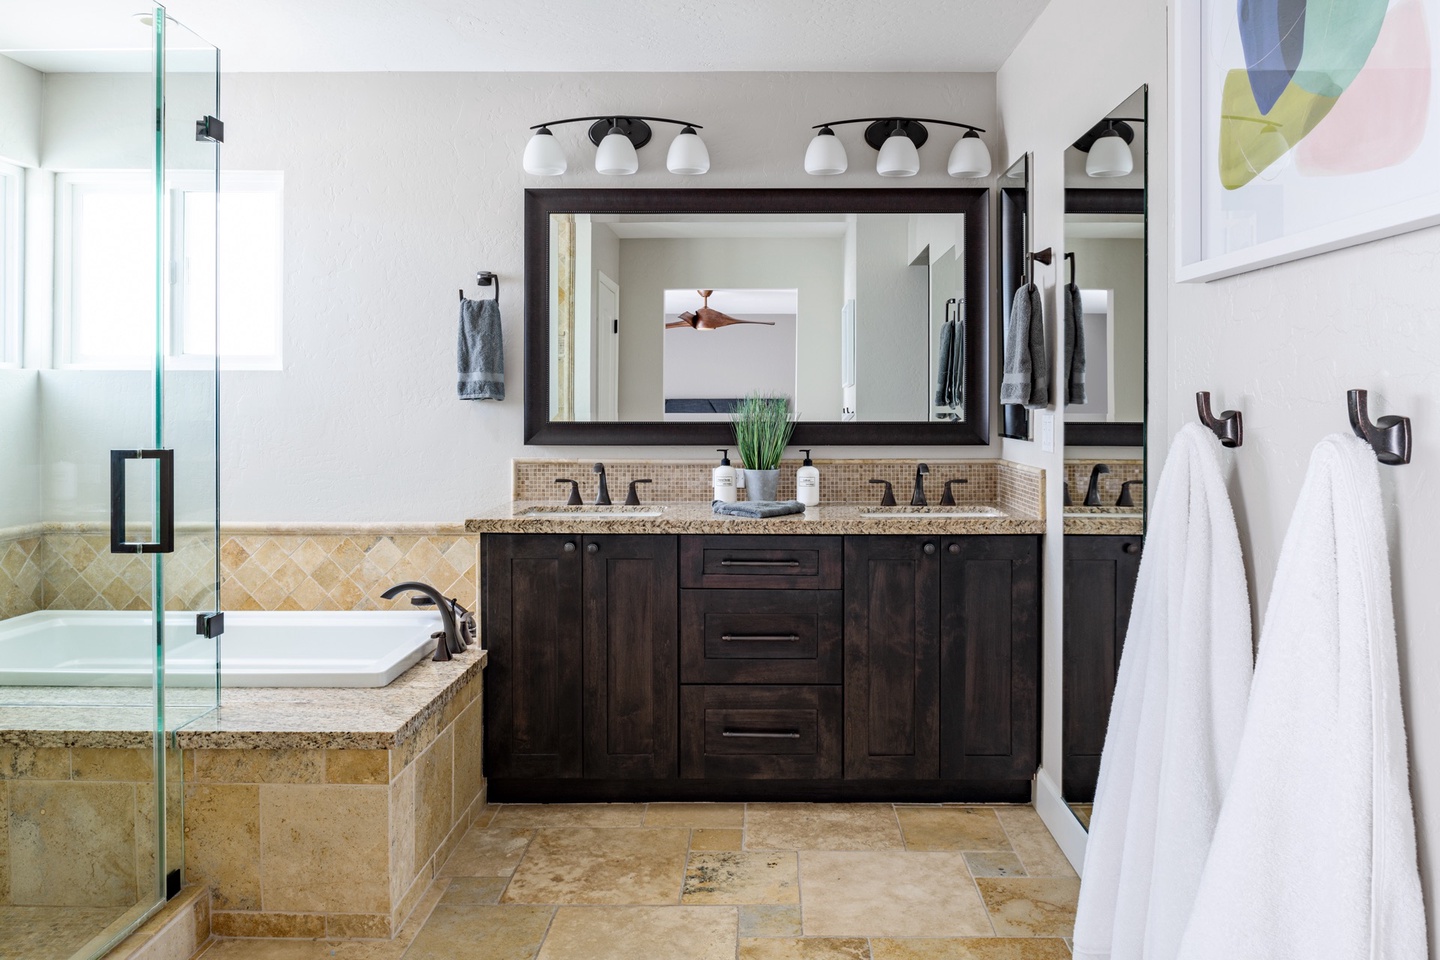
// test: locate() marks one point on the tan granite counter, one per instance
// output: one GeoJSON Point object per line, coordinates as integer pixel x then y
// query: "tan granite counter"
{"type": "Point", "coordinates": [1104, 521]}
{"type": "Point", "coordinates": [248, 718]}
{"type": "Point", "coordinates": [663, 518]}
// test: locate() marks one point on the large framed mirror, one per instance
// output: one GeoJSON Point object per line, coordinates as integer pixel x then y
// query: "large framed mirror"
{"type": "Point", "coordinates": [648, 313]}
{"type": "Point", "coordinates": [1105, 395]}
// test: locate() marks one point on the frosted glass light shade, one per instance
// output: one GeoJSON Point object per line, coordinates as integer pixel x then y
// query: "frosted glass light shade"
{"type": "Point", "coordinates": [543, 156]}
{"type": "Point", "coordinates": [898, 157]}
{"type": "Point", "coordinates": [825, 157]}
{"type": "Point", "coordinates": [1109, 157]}
{"type": "Point", "coordinates": [969, 158]}
{"type": "Point", "coordinates": [616, 155]}
{"type": "Point", "coordinates": [688, 154]}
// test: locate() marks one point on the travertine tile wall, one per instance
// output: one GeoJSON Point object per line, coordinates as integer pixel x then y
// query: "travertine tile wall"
{"type": "Point", "coordinates": [20, 577]}
{"type": "Point", "coordinates": [337, 843]}
{"type": "Point", "coordinates": [1077, 474]}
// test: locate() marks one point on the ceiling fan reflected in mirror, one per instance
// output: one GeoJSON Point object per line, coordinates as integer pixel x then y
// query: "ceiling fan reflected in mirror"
{"type": "Point", "coordinates": [708, 318]}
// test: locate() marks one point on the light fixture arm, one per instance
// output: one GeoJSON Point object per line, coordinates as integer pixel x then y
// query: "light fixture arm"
{"type": "Point", "coordinates": [614, 116]}
{"type": "Point", "coordinates": [948, 123]}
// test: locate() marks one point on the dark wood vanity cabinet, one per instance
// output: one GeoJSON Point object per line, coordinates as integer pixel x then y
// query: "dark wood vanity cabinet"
{"type": "Point", "coordinates": [1100, 573]}
{"type": "Point", "coordinates": [734, 667]}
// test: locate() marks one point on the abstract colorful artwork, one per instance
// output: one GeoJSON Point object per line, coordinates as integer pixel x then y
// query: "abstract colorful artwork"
{"type": "Point", "coordinates": [1302, 126]}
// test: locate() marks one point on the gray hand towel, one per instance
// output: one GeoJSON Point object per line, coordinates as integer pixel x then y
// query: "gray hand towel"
{"type": "Point", "coordinates": [1027, 368]}
{"type": "Point", "coordinates": [757, 509]}
{"type": "Point", "coordinates": [950, 375]}
{"type": "Point", "coordinates": [1074, 345]}
{"type": "Point", "coordinates": [481, 354]}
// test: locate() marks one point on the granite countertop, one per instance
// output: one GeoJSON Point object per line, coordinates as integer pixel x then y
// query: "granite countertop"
{"type": "Point", "coordinates": [1104, 521]}
{"type": "Point", "coordinates": [248, 717]}
{"type": "Point", "coordinates": [691, 517]}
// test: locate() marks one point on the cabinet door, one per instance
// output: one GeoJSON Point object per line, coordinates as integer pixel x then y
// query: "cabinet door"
{"type": "Point", "coordinates": [531, 619]}
{"type": "Point", "coordinates": [990, 657]}
{"type": "Point", "coordinates": [1100, 577]}
{"type": "Point", "coordinates": [632, 639]}
{"type": "Point", "coordinates": [892, 657]}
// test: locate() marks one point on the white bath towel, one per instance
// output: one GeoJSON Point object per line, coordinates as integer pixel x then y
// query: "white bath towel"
{"type": "Point", "coordinates": [1314, 855]}
{"type": "Point", "coordinates": [1175, 719]}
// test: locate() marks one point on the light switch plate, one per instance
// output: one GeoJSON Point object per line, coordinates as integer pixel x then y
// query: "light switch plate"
{"type": "Point", "coordinates": [1047, 432]}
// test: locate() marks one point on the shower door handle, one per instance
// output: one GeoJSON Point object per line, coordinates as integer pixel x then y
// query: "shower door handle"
{"type": "Point", "coordinates": [166, 543]}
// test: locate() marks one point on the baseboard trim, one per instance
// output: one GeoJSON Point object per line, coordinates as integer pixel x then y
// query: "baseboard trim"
{"type": "Point", "coordinates": [1059, 820]}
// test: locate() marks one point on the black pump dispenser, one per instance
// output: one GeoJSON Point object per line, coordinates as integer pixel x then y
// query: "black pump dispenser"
{"type": "Point", "coordinates": [724, 456]}
{"type": "Point", "coordinates": [808, 462]}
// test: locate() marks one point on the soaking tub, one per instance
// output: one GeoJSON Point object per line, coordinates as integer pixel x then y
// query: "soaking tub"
{"type": "Point", "coordinates": [115, 649]}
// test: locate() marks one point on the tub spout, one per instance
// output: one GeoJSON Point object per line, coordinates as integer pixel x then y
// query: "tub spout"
{"type": "Point", "coordinates": [450, 641]}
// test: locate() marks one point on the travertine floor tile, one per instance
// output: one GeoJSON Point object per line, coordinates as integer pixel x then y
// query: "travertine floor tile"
{"type": "Point", "coordinates": [707, 839]}
{"type": "Point", "coordinates": [1033, 844]}
{"type": "Point", "coordinates": [487, 852]}
{"type": "Point", "coordinates": [718, 878]}
{"type": "Point", "coordinates": [727, 815]}
{"type": "Point", "coordinates": [952, 828]}
{"type": "Point", "coordinates": [468, 890]}
{"type": "Point", "coordinates": [476, 932]}
{"type": "Point", "coordinates": [993, 863]}
{"type": "Point", "coordinates": [976, 948]}
{"type": "Point", "coordinates": [652, 933]}
{"type": "Point", "coordinates": [569, 815]}
{"type": "Point", "coordinates": [1030, 907]}
{"type": "Point", "coordinates": [822, 826]}
{"type": "Point", "coordinates": [806, 948]}
{"type": "Point", "coordinates": [882, 894]}
{"type": "Point", "coordinates": [303, 950]}
{"type": "Point", "coordinates": [598, 865]}
{"type": "Point", "coordinates": [770, 920]}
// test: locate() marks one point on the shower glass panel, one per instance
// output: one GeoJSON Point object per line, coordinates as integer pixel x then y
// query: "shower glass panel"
{"type": "Point", "coordinates": [95, 408]}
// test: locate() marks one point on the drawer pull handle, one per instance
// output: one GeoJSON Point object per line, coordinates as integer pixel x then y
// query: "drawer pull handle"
{"type": "Point", "coordinates": [765, 637]}
{"type": "Point", "coordinates": [763, 734]}
{"type": "Point", "coordinates": [759, 563]}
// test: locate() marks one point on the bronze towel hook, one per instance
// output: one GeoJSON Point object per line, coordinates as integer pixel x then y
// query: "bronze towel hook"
{"type": "Point", "coordinates": [1229, 426]}
{"type": "Point", "coordinates": [1389, 437]}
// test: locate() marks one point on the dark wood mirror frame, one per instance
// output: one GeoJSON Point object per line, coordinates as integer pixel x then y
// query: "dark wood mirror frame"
{"type": "Point", "coordinates": [1121, 433]}
{"type": "Point", "coordinates": [973, 203]}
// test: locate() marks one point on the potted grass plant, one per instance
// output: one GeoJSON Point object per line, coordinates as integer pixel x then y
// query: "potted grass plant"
{"type": "Point", "coordinates": [762, 426]}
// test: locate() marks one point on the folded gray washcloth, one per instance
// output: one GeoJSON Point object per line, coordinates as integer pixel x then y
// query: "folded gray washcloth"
{"type": "Point", "coordinates": [1027, 369]}
{"type": "Point", "coordinates": [481, 354]}
{"type": "Point", "coordinates": [757, 509]}
{"type": "Point", "coordinates": [1074, 345]}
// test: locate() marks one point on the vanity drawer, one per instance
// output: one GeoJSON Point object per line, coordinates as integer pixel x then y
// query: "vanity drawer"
{"type": "Point", "coordinates": [760, 733]}
{"type": "Point", "coordinates": [761, 636]}
{"type": "Point", "coordinates": [760, 562]}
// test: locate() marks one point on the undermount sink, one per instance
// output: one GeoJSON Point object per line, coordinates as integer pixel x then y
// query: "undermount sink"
{"type": "Point", "coordinates": [931, 513]}
{"type": "Point", "coordinates": [596, 513]}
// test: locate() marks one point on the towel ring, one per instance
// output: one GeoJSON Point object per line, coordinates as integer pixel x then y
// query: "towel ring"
{"type": "Point", "coordinates": [485, 278]}
{"type": "Point", "coordinates": [1071, 257]}
{"type": "Point", "coordinates": [1389, 437]}
{"type": "Point", "coordinates": [1229, 426]}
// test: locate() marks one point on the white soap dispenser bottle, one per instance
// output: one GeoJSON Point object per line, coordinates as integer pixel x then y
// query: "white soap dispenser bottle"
{"type": "Point", "coordinates": [807, 482]}
{"type": "Point", "coordinates": [722, 478]}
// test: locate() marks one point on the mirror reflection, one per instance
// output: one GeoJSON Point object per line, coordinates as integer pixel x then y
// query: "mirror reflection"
{"type": "Point", "coordinates": [673, 317]}
{"type": "Point", "coordinates": [1014, 242]}
{"type": "Point", "coordinates": [1105, 327]}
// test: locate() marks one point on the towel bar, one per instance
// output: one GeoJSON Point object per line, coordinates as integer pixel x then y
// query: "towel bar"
{"type": "Point", "coordinates": [1389, 437]}
{"type": "Point", "coordinates": [1229, 426]}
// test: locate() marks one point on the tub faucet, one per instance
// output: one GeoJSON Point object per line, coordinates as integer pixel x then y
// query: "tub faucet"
{"type": "Point", "coordinates": [602, 498]}
{"type": "Point", "coordinates": [917, 499]}
{"type": "Point", "coordinates": [1092, 495]}
{"type": "Point", "coordinates": [449, 640]}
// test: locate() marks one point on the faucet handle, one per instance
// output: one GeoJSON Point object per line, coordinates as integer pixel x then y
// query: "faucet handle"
{"type": "Point", "coordinates": [574, 500]}
{"type": "Point", "coordinates": [1126, 499]}
{"type": "Point", "coordinates": [947, 499]}
{"type": "Point", "coordinates": [888, 498]}
{"type": "Point", "coordinates": [632, 499]}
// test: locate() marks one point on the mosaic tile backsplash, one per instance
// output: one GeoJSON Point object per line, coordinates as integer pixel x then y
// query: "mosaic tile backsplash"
{"type": "Point", "coordinates": [1077, 474]}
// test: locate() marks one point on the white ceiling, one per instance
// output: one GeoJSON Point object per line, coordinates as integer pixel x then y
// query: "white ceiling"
{"type": "Point", "coordinates": [736, 302]}
{"type": "Point", "coordinates": [547, 35]}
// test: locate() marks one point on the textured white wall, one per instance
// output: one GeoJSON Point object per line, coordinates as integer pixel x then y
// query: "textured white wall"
{"type": "Point", "coordinates": [20, 471]}
{"type": "Point", "coordinates": [892, 322]}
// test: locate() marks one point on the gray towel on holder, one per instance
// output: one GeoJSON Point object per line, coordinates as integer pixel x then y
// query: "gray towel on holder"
{"type": "Point", "coordinates": [1074, 345]}
{"type": "Point", "coordinates": [481, 354]}
{"type": "Point", "coordinates": [757, 509]}
{"type": "Point", "coordinates": [950, 373]}
{"type": "Point", "coordinates": [1027, 369]}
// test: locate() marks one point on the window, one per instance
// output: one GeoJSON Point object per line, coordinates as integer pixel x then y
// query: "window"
{"type": "Point", "coordinates": [12, 180]}
{"type": "Point", "coordinates": [107, 285]}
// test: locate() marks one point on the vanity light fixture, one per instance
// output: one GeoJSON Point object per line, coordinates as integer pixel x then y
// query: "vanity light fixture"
{"type": "Point", "coordinates": [899, 140]}
{"type": "Point", "coordinates": [616, 138]}
{"type": "Point", "coordinates": [1108, 146]}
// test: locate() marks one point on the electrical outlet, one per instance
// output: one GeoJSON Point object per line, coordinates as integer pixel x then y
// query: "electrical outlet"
{"type": "Point", "coordinates": [1047, 431]}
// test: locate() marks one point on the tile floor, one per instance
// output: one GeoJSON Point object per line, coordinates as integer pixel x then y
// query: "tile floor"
{"type": "Point", "coordinates": [758, 881]}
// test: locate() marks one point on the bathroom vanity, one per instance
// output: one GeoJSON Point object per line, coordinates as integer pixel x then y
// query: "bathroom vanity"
{"type": "Point", "coordinates": [795, 663]}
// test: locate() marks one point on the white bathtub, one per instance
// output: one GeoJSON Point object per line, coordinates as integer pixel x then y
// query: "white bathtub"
{"type": "Point", "coordinates": [116, 649]}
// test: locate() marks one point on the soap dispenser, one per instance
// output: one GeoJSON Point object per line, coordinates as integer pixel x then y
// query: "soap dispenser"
{"type": "Point", "coordinates": [807, 482]}
{"type": "Point", "coordinates": [722, 478]}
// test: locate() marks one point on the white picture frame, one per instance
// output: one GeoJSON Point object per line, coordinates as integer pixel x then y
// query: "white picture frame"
{"type": "Point", "coordinates": [1303, 214]}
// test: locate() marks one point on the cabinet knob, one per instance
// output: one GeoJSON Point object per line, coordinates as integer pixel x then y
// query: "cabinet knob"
{"type": "Point", "coordinates": [929, 549]}
{"type": "Point", "coordinates": [1131, 547]}
{"type": "Point", "coordinates": [592, 548]}
{"type": "Point", "coordinates": [569, 546]}
{"type": "Point", "coordinates": [954, 548]}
